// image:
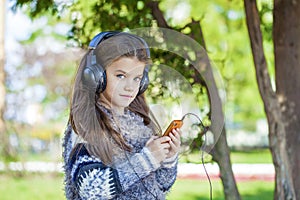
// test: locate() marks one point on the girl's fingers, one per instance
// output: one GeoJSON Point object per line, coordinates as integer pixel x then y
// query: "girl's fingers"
{"type": "Point", "coordinates": [166, 151]}
{"type": "Point", "coordinates": [164, 139]}
{"type": "Point", "coordinates": [165, 145]}
{"type": "Point", "coordinates": [173, 145]}
{"type": "Point", "coordinates": [177, 131]}
{"type": "Point", "coordinates": [150, 140]}
{"type": "Point", "coordinates": [175, 136]}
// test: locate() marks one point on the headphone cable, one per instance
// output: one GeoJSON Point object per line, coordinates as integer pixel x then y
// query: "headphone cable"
{"type": "Point", "coordinates": [140, 179]}
{"type": "Point", "coordinates": [205, 129]}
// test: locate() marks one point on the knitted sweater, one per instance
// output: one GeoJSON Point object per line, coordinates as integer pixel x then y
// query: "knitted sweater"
{"type": "Point", "coordinates": [134, 175]}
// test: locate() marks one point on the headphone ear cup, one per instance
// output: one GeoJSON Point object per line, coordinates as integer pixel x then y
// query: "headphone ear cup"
{"type": "Point", "coordinates": [94, 76]}
{"type": "Point", "coordinates": [101, 78]}
{"type": "Point", "coordinates": [144, 82]}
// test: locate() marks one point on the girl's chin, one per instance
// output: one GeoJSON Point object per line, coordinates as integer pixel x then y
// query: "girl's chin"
{"type": "Point", "coordinates": [125, 102]}
{"type": "Point", "coordinates": [121, 107]}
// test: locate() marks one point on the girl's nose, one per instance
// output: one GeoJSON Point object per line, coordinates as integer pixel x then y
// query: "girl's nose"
{"type": "Point", "coordinates": [129, 85]}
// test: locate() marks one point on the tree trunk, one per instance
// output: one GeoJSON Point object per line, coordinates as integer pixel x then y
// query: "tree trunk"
{"type": "Point", "coordinates": [281, 107]}
{"type": "Point", "coordinates": [286, 37]}
{"type": "Point", "coordinates": [5, 147]}
{"type": "Point", "coordinates": [220, 152]}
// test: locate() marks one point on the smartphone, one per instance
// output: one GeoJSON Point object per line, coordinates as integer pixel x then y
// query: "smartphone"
{"type": "Point", "coordinates": [173, 125]}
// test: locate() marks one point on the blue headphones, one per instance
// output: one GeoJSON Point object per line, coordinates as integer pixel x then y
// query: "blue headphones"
{"type": "Point", "coordinates": [95, 76]}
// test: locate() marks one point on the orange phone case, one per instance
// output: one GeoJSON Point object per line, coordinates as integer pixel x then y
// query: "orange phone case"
{"type": "Point", "coordinates": [174, 124]}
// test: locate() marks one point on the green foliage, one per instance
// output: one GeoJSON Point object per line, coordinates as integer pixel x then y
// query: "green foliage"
{"type": "Point", "coordinates": [37, 7]}
{"type": "Point", "coordinates": [265, 8]}
{"type": "Point", "coordinates": [90, 17]}
{"type": "Point", "coordinates": [224, 31]}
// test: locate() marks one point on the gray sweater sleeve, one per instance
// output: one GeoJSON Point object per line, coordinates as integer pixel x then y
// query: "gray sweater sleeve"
{"type": "Point", "coordinates": [137, 167]}
{"type": "Point", "coordinates": [166, 175]}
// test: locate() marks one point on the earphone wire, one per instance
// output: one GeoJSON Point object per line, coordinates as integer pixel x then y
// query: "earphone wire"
{"type": "Point", "coordinates": [207, 175]}
{"type": "Point", "coordinates": [131, 165]}
{"type": "Point", "coordinates": [141, 180]}
{"type": "Point", "coordinates": [203, 147]}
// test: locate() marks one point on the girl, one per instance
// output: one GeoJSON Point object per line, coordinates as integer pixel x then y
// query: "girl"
{"type": "Point", "coordinates": [111, 147]}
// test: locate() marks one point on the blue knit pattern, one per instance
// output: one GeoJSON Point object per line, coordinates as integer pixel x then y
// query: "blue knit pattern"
{"type": "Point", "coordinates": [134, 175]}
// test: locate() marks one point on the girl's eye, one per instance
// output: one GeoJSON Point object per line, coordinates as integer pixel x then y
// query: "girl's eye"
{"type": "Point", "coordinates": [120, 76]}
{"type": "Point", "coordinates": [137, 79]}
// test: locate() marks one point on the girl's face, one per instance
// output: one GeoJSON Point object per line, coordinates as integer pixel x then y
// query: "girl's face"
{"type": "Point", "coordinates": [123, 80]}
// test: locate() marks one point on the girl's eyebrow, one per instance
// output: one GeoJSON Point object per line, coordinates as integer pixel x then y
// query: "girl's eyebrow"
{"type": "Point", "coordinates": [123, 72]}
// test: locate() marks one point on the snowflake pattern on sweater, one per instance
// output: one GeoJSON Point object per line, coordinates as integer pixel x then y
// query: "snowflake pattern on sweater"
{"type": "Point", "coordinates": [135, 175]}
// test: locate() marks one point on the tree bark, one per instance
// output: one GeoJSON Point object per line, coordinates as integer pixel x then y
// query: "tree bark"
{"type": "Point", "coordinates": [157, 14]}
{"type": "Point", "coordinates": [2, 75]}
{"type": "Point", "coordinates": [283, 137]}
{"type": "Point", "coordinates": [286, 32]}
{"type": "Point", "coordinates": [5, 150]}
{"type": "Point", "coordinates": [220, 152]}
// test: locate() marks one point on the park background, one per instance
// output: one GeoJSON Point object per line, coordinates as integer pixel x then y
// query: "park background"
{"type": "Point", "coordinates": [43, 44]}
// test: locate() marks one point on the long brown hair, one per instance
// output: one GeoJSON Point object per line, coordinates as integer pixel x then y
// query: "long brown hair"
{"type": "Point", "coordinates": [90, 122]}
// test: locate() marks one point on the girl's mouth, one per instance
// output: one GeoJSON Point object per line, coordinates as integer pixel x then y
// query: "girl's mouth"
{"type": "Point", "coordinates": [126, 96]}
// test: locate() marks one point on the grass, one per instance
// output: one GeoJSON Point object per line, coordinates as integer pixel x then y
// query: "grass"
{"type": "Point", "coordinates": [252, 157]}
{"type": "Point", "coordinates": [249, 157]}
{"type": "Point", "coordinates": [49, 187]}
{"type": "Point", "coordinates": [199, 190]}
{"type": "Point", "coordinates": [33, 186]}
{"type": "Point", "coordinates": [195, 190]}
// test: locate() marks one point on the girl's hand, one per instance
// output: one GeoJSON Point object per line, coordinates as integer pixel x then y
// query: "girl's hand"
{"type": "Point", "coordinates": [175, 142]}
{"type": "Point", "coordinates": [159, 147]}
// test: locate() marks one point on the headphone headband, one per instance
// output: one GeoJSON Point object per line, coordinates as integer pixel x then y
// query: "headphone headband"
{"type": "Point", "coordinates": [100, 37]}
